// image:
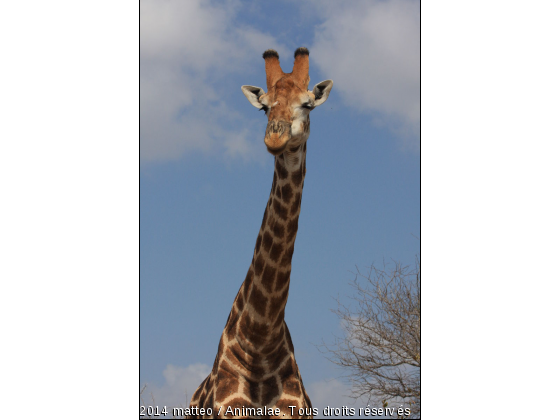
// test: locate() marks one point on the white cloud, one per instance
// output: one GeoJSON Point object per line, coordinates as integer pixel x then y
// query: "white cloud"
{"type": "Point", "coordinates": [238, 145]}
{"type": "Point", "coordinates": [372, 52]}
{"type": "Point", "coordinates": [186, 48]}
{"type": "Point", "coordinates": [180, 384]}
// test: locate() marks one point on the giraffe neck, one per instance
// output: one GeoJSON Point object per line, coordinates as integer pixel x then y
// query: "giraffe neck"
{"type": "Point", "coordinates": [262, 298]}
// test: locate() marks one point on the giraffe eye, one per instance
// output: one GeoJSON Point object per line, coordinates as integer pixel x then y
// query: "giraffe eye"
{"type": "Point", "coordinates": [264, 108]}
{"type": "Point", "coordinates": [307, 105]}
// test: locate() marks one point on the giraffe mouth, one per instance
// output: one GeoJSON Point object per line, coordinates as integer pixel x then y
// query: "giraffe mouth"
{"type": "Point", "coordinates": [276, 144]}
{"type": "Point", "coordinates": [278, 134]}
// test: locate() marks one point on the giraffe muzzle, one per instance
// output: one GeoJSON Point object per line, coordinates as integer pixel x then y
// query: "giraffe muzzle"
{"type": "Point", "coordinates": [278, 133]}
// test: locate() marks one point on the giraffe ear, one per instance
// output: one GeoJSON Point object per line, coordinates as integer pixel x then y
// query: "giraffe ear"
{"type": "Point", "coordinates": [253, 93]}
{"type": "Point", "coordinates": [321, 91]}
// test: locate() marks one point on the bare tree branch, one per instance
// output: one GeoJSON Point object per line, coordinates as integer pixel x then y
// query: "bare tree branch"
{"type": "Point", "coordinates": [380, 349]}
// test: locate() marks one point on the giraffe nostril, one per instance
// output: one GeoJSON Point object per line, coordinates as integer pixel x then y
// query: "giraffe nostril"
{"type": "Point", "coordinates": [275, 127]}
{"type": "Point", "coordinates": [278, 127]}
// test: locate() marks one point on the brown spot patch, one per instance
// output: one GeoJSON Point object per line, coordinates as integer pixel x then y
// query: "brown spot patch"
{"type": "Point", "coordinates": [239, 301]}
{"type": "Point", "coordinates": [287, 192]}
{"type": "Point", "coordinates": [291, 386]}
{"type": "Point", "coordinates": [248, 281]}
{"type": "Point", "coordinates": [259, 264]}
{"type": "Point", "coordinates": [227, 383]}
{"type": "Point", "coordinates": [276, 251]}
{"type": "Point", "coordinates": [280, 210]}
{"type": "Point", "coordinates": [269, 275]}
{"type": "Point", "coordinates": [269, 390]}
{"type": "Point", "coordinates": [284, 406]}
{"type": "Point", "coordinates": [258, 245]}
{"type": "Point", "coordinates": [253, 391]}
{"type": "Point", "coordinates": [258, 301]}
{"type": "Point", "coordinates": [297, 177]}
{"type": "Point", "coordinates": [267, 241]}
{"type": "Point", "coordinates": [231, 331]}
{"type": "Point", "coordinates": [287, 370]}
{"type": "Point", "coordinates": [232, 322]}
{"type": "Point", "coordinates": [296, 204]}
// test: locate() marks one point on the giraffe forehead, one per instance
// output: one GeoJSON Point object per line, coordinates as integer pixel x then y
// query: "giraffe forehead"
{"type": "Point", "coordinates": [285, 83]}
{"type": "Point", "coordinates": [286, 91]}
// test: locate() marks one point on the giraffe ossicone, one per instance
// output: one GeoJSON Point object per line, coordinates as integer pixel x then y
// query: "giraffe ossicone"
{"type": "Point", "coordinates": [255, 374]}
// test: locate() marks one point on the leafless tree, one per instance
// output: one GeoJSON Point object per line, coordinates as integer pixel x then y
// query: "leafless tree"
{"type": "Point", "coordinates": [380, 350]}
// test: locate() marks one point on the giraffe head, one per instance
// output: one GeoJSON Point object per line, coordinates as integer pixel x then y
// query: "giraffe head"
{"type": "Point", "coordinates": [287, 102]}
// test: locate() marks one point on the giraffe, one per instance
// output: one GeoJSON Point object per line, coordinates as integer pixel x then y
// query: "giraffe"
{"type": "Point", "coordinates": [255, 374]}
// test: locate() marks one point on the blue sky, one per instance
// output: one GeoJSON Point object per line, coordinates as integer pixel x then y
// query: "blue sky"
{"type": "Point", "coordinates": [205, 174]}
